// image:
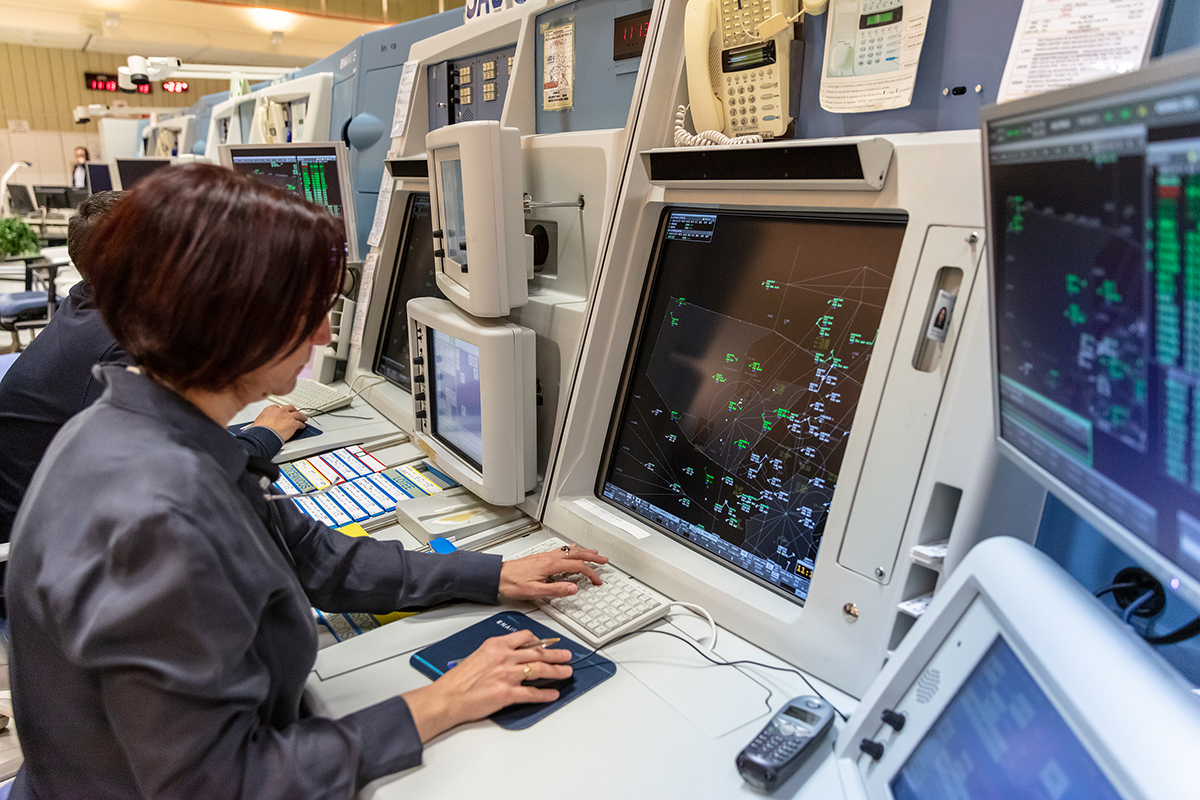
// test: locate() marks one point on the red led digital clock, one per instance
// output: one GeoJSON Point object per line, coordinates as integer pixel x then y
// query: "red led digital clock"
{"type": "Point", "coordinates": [629, 35]}
{"type": "Point", "coordinates": [100, 82]}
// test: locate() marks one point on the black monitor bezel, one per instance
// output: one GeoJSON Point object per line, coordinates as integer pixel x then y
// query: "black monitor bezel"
{"type": "Point", "coordinates": [162, 162]}
{"type": "Point", "coordinates": [406, 233]}
{"type": "Point", "coordinates": [97, 165]}
{"type": "Point", "coordinates": [639, 331]}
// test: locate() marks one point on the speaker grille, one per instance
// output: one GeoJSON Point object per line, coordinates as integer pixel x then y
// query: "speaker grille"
{"type": "Point", "coordinates": [927, 685]}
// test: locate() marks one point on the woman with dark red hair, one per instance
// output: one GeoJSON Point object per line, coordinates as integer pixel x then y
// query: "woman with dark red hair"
{"type": "Point", "coordinates": [160, 600]}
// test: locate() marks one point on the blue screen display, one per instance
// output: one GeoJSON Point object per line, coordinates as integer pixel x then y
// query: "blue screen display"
{"type": "Point", "coordinates": [1001, 738]}
{"type": "Point", "coordinates": [457, 407]}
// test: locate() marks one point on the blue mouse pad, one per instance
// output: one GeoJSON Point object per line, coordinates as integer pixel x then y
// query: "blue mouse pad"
{"type": "Point", "coordinates": [308, 430]}
{"type": "Point", "coordinates": [589, 670]}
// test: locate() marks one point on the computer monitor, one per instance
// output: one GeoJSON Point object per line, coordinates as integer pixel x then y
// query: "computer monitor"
{"type": "Point", "coordinates": [318, 173]}
{"type": "Point", "coordinates": [413, 276]}
{"type": "Point", "coordinates": [132, 170]}
{"type": "Point", "coordinates": [475, 181]}
{"type": "Point", "coordinates": [474, 402]}
{"type": "Point", "coordinates": [1093, 201]}
{"type": "Point", "coordinates": [99, 178]}
{"type": "Point", "coordinates": [76, 196]}
{"type": "Point", "coordinates": [751, 349]}
{"type": "Point", "coordinates": [20, 199]}
{"type": "Point", "coordinates": [51, 196]}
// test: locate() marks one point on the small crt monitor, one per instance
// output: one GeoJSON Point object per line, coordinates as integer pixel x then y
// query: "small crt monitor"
{"type": "Point", "coordinates": [483, 265]}
{"type": "Point", "coordinates": [318, 173]}
{"type": "Point", "coordinates": [99, 178]}
{"type": "Point", "coordinates": [132, 170]}
{"type": "Point", "coordinates": [1093, 201]}
{"type": "Point", "coordinates": [413, 276]}
{"type": "Point", "coordinates": [474, 398]}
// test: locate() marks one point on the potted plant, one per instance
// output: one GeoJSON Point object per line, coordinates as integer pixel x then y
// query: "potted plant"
{"type": "Point", "coordinates": [17, 238]}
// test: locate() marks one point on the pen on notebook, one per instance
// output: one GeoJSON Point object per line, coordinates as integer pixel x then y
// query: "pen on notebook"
{"type": "Point", "coordinates": [542, 643]}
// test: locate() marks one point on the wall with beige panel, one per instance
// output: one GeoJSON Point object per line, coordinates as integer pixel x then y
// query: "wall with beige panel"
{"type": "Point", "coordinates": [43, 85]}
{"type": "Point", "coordinates": [51, 152]}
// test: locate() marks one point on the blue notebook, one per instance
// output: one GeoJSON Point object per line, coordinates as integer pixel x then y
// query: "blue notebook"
{"type": "Point", "coordinates": [589, 670]}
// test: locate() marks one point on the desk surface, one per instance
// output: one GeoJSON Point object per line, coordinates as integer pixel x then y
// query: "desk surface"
{"type": "Point", "coordinates": [668, 724]}
{"type": "Point", "coordinates": [357, 423]}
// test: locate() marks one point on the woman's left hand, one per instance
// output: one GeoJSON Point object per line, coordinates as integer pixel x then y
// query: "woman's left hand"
{"type": "Point", "coordinates": [525, 578]}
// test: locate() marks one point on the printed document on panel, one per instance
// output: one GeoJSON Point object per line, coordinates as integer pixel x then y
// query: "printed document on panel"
{"type": "Point", "coordinates": [382, 204]}
{"type": "Point", "coordinates": [872, 48]}
{"type": "Point", "coordinates": [364, 300]}
{"type": "Point", "coordinates": [403, 95]}
{"type": "Point", "coordinates": [1059, 44]}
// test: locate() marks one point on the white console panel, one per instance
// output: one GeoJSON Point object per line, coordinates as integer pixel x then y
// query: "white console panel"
{"type": "Point", "coordinates": [886, 500]}
{"type": "Point", "coordinates": [1129, 712]}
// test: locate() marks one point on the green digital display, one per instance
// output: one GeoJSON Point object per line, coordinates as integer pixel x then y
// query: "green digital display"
{"type": "Point", "coordinates": [880, 19]}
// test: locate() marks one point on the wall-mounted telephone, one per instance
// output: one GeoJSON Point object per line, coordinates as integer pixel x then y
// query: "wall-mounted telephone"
{"type": "Point", "coordinates": [274, 123]}
{"type": "Point", "coordinates": [299, 114]}
{"type": "Point", "coordinates": [168, 142]}
{"type": "Point", "coordinates": [866, 37]}
{"type": "Point", "coordinates": [737, 80]}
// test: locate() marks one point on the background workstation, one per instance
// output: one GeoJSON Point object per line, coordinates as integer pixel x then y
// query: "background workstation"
{"type": "Point", "coordinates": [919, 465]}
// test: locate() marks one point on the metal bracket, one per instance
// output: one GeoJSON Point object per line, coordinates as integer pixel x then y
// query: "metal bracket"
{"type": "Point", "coordinates": [530, 204]}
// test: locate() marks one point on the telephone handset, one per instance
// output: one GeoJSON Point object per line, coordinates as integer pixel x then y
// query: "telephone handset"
{"type": "Point", "coordinates": [274, 123]}
{"type": "Point", "coordinates": [866, 38]}
{"type": "Point", "coordinates": [737, 80]}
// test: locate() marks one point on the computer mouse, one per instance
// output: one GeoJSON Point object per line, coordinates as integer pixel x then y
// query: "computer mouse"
{"type": "Point", "coordinates": [549, 683]}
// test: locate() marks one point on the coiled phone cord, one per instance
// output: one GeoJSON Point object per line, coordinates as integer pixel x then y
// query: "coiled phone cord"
{"type": "Point", "coordinates": [706, 138]}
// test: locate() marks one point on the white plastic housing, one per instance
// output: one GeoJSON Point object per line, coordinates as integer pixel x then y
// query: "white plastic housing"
{"type": "Point", "coordinates": [506, 362]}
{"type": "Point", "coordinates": [479, 228]}
{"type": "Point", "coordinates": [1101, 679]}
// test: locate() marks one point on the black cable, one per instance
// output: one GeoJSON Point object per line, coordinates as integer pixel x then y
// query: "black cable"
{"type": "Point", "coordinates": [1180, 634]}
{"type": "Point", "coordinates": [1115, 587]}
{"type": "Point", "coordinates": [718, 663]}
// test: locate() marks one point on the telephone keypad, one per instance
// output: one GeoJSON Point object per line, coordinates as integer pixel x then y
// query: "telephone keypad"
{"type": "Point", "coordinates": [748, 92]}
{"type": "Point", "coordinates": [878, 49]}
{"type": "Point", "coordinates": [740, 20]}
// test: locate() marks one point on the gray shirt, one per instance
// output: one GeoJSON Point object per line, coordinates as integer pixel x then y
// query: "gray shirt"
{"type": "Point", "coordinates": [161, 616]}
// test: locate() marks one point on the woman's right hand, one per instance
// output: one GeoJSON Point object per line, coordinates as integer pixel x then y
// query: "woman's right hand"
{"type": "Point", "coordinates": [485, 682]}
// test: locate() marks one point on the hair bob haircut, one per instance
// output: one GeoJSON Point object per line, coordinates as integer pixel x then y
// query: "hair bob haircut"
{"type": "Point", "coordinates": [204, 276]}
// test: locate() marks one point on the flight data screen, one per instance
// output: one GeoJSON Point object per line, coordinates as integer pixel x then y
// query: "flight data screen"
{"type": "Point", "coordinates": [457, 403]}
{"type": "Point", "coordinates": [309, 173]}
{"type": "Point", "coordinates": [413, 276]}
{"type": "Point", "coordinates": [743, 381]}
{"type": "Point", "coordinates": [1096, 213]}
{"type": "Point", "coordinates": [1000, 737]}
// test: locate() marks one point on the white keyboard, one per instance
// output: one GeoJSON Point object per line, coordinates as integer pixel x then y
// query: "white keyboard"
{"type": "Point", "coordinates": [313, 397]}
{"type": "Point", "coordinates": [599, 614]}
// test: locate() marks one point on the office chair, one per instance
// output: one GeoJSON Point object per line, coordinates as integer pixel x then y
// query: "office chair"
{"type": "Point", "coordinates": [29, 309]}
